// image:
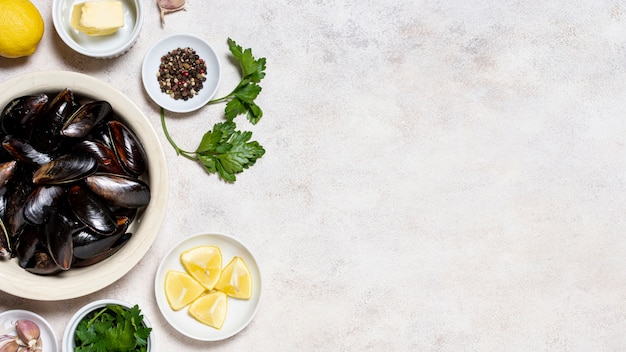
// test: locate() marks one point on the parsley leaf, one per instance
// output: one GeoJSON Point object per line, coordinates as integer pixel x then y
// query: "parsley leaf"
{"type": "Point", "coordinates": [112, 328]}
{"type": "Point", "coordinates": [225, 150]}
{"type": "Point", "coordinates": [241, 99]}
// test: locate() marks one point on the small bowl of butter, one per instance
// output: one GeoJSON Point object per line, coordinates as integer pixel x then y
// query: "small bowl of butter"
{"type": "Point", "coordinates": [98, 28]}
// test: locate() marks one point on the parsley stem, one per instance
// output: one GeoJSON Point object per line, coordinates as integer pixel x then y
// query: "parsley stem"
{"type": "Point", "coordinates": [186, 154]}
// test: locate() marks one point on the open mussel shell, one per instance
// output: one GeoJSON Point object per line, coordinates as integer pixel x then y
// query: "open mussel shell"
{"type": "Point", "coordinates": [119, 190]}
{"type": "Point", "coordinates": [127, 147]}
{"type": "Point", "coordinates": [18, 117]}
{"type": "Point", "coordinates": [86, 118]}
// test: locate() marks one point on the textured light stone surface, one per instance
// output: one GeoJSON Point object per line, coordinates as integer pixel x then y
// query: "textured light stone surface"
{"type": "Point", "coordinates": [439, 175]}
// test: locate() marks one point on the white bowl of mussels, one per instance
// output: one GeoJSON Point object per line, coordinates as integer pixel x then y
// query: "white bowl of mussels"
{"type": "Point", "coordinates": [83, 185]}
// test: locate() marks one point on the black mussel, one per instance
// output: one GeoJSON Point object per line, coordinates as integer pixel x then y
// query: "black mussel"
{"type": "Point", "coordinates": [18, 191]}
{"type": "Point", "coordinates": [28, 242]}
{"type": "Point", "coordinates": [65, 169]}
{"type": "Point", "coordinates": [18, 116]}
{"type": "Point", "coordinates": [22, 150]}
{"type": "Point", "coordinates": [90, 210]}
{"type": "Point", "coordinates": [7, 170]}
{"type": "Point", "coordinates": [40, 201]}
{"type": "Point", "coordinates": [118, 190]}
{"type": "Point", "coordinates": [104, 255]}
{"type": "Point", "coordinates": [41, 263]}
{"type": "Point", "coordinates": [86, 118]}
{"type": "Point", "coordinates": [58, 231]}
{"type": "Point", "coordinates": [46, 133]}
{"type": "Point", "coordinates": [105, 156]}
{"type": "Point", "coordinates": [127, 147]}
{"type": "Point", "coordinates": [88, 244]}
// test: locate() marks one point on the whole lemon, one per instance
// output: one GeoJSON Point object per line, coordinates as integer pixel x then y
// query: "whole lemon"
{"type": "Point", "coordinates": [21, 28]}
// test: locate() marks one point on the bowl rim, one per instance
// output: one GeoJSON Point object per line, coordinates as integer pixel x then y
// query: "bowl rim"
{"type": "Point", "coordinates": [92, 278]}
{"type": "Point", "coordinates": [59, 27]}
{"type": "Point", "coordinates": [68, 333]}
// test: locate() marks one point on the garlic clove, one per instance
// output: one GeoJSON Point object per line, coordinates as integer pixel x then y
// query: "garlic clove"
{"type": "Point", "coordinates": [167, 6]}
{"type": "Point", "coordinates": [28, 332]}
{"type": "Point", "coordinates": [9, 344]}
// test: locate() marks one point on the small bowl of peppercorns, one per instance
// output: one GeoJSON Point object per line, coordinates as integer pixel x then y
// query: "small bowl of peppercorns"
{"type": "Point", "coordinates": [181, 73]}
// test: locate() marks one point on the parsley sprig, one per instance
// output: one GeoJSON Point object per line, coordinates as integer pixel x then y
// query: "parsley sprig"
{"type": "Point", "coordinates": [112, 328]}
{"type": "Point", "coordinates": [224, 149]}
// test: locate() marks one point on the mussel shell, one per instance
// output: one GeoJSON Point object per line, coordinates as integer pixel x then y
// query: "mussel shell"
{"type": "Point", "coordinates": [18, 191]}
{"type": "Point", "coordinates": [28, 242]}
{"type": "Point", "coordinates": [105, 156]}
{"type": "Point", "coordinates": [46, 133]}
{"type": "Point", "coordinates": [127, 147]}
{"type": "Point", "coordinates": [89, 244]}
{"type": "Point", "coordinates": [58, 232]}
{"type": "Point", "coordinates": [22, 150]}
{"type": "Point", "coordinates": [104, 255]}
{"type": "Point", "coordinates": [118, 190]}
{"type": "Point", "coordinates": [7, 170]}
{"type": "Point", "coordinates": [91, 211]}
{"type": "Point", "coordinates": [86, 118]}
{"type": "Point", "coordinates": [38, 204]}
{"type": "Point", "coordinates": [18, 116]}
{"type": "Point", "coordinates": [67, 168]}
{"type": "Point", "coordinates": [42, 263]}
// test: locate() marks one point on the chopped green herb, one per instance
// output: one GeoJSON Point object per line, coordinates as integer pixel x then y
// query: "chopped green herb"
{"type": "Point", "coordinates": [111, 329]}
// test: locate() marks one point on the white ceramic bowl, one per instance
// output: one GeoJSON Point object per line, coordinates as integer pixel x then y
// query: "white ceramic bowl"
{"type": "Point", "coordinates": [78, 282]}
{"type": "Point", "coordinates": [152, 62]}
{"type": "Point", "coordinates": [102, 47]}
{"type": "Point", "coordinates": [67, 344]}
{"type": "Point", "coordinates": [240, 312]}
{"type": "Point", "coordinates": [48, 338]}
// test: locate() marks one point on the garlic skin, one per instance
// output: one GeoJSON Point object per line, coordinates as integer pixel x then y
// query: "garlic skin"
{"type": "Point", "coordinates": [9, 344]}
{"type": "Point", "coordinates": [28, 332]}
{"type": "Point", "coordinates": [168, 6]}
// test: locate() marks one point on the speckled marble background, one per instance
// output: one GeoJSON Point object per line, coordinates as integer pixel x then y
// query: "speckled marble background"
{"type": "Point", "coordinates": [439, 175]}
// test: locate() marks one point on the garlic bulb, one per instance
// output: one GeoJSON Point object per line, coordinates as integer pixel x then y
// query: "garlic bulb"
{"type": "Point", "coordinates": [167, 6]}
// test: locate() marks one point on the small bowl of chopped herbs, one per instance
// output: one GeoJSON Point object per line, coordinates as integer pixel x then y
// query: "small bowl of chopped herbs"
{"type": "Point", "coordinates": [108, 325]}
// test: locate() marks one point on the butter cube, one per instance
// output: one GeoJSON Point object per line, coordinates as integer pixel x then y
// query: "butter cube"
{"type": "Point", "coordinates": [97, 18]}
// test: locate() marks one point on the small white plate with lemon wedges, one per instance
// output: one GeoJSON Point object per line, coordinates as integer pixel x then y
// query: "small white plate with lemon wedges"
{"type": "Point", "coordinates": [240, 312]}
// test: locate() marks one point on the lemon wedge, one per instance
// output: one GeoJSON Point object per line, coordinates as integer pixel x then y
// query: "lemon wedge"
{"type": "Point", "coordinates": [210, 309]}
{"type": "Point", "coordinates": [203, 263]}
{"type": "Point", "coordinates": [235, 280]}
{"type": "Point", "coordinates": [181, 289]}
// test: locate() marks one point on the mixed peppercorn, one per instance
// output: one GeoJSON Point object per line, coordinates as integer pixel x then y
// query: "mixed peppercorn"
{"type": "Point", "coordinates": [182, 73]}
